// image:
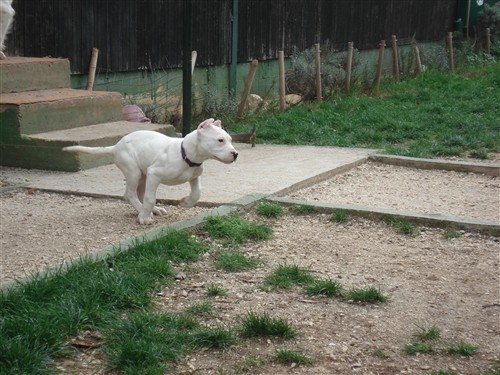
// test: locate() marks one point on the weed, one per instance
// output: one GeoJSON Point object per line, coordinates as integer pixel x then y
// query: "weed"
{"type": "Point", "coordinates": [402, 226]}
{"type": "Point", "coordinates": [428, 334]}
{"type": "Point", "coordinates": [451, 234]}
{"type": "Point", "coordinates": [340, 216]}
{"type": "Point", "coordinates": [418, 347]}
{"type": "Point", "coordinates": [285, 276]}
{"type": "Point", "coordinates": [288, 357]}
{"type": "Point", "coordinates": [269, 210]}
{"type": "Point", "coordinates": [213, 338]}
{"type": "Point", "coordinates": [328, 288]}
{"type": "Point", "coordinates": [234, 261]}
{"type": "Point", "coordinates": [461, 348]}
{"type": "Point", "coordinates": [200, 309]}
{"type": "Point", "coordinates": [216, 291]}
{"type": "Point", "coordinates": [366, 295]}
{"type": "Point", "coordinates": [254, 325]}
{"type": "Point", "coordinates": [443, 372]}
{"type": "Point", "coordinates": [235, 229]}
{"type": "Point", "coordinates": [302, 209]}
{"type": "Point", "coordinates": [379, 353]}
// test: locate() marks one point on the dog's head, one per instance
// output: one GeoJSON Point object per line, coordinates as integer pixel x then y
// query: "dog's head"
{"type": "Point", "coordinates": [215, 142]}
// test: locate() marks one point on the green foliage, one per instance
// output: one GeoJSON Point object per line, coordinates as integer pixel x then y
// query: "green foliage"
{"type": "Point", "coordinates": [366, 295]}
{"type": "Point", "coordinates": [234, 261]}
{"type": "Point", "coordinates": [255, 325]}
{"type": "Point", "coordinates": [443, 372]}
{"type": "Point", "coordinates": [327, 288]}
{"type": "Point", "coordinates": [340, 216]}
{"type": "Point", "coordinates": [428, 333]}
{"type": "Point", "coordinates": [402, 226]}
{"type": "Point", "coordinates": [200, 309]}
{"type": "Point", "coordinates": [269, 210]}
{"type": "Point", "coordinates": [216, 291]}
{"type": "Point", "coordinates": [419, 347]}
{"type": "Point", "coordinates": [288, 357]}
{"type": "Point", "coordinates": [235, 229]}
{"type": "Point", "coordinates": [286, 276]}
{"type": "Point", "coordinates": [461, 348]}
{"type": "Point", "coordinates": [302, 209]}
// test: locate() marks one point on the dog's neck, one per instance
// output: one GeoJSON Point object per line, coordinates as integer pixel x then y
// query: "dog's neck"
{"type": "Point", "coordinates": [186, 159]}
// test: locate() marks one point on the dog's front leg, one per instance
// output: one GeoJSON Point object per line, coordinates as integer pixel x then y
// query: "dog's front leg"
{"type": "Point", "coordinates": [149, 200]}
{"type": "Point", "coordinates": [194, 196]}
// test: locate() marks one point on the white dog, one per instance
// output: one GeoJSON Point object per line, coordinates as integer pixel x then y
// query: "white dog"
{"type": "Point", "coordinates": [6, 17]}
{"type": "Point", "coordinates": [148, 159]}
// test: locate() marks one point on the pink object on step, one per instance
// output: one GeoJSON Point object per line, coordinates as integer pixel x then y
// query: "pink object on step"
{"type": "Point", "coordinates": [133, 113]}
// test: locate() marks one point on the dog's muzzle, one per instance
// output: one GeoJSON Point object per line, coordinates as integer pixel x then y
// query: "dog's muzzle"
{"type": "Point", "coordinates": [235, 155]}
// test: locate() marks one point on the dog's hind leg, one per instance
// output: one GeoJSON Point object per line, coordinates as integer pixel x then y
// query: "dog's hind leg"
{"type": "Point", "coordinates": [140, 193]}
{"type": "Point", "coordinates": [149, 199]}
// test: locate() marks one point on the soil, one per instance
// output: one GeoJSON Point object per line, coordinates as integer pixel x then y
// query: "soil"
{"type": "Point", "coordinates": [430, 279]}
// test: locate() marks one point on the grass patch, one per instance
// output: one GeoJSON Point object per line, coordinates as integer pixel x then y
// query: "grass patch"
{"type": "Point", "coordinates": [38, 316]}
{"type": "Point", "coordinates": [233, 228]}
{"type": "Point", "coordinates": [461, 349]}
{"type": "Point", "coordinates": [327, 288]}
{"type": "Point", "coordinates": [402, 226]}
{"type": "Point", "coordinates": [214, 290]}
{"type": "Point", "coordinates": [269, 210]}
{"type": "Point", "coordinates": [289, 357]}
{"type": "Point", "coordinates": [285, 276]}
{"type": "Point", "coordinates": [366, 295]}
{"type": "Point", "coordinates": [443, 372]}
{"type": "Point", "coordinates": [428, 333]}
{"type": "Point", "coordinates": [418, 348]}
{"type": "Point", "coordinates": [379, 353]}
{"type": "Point", "coordinates": [263, 325]}
{"type": "Point", "coordinates": [234, 261]}
{"type": "Point", "coordinates": [301, 209]}
{"type": "Point", "coordinates": [340, 217]}
{"type": "Point", "coordinates": [200, 309]}
{"type": "Point", "coordinates": [464, 117]}
{"type": "Point", "coordinates": [451, 234]}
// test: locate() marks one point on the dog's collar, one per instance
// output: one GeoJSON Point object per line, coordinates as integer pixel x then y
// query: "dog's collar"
{"type": "Point", "coordinates": [186, 159]}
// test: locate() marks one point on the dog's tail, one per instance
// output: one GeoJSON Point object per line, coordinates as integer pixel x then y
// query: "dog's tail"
{"type": "Point", "coordinates": [90, 150]}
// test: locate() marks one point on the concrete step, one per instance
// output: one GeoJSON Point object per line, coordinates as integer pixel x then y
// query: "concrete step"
{"type": "Point", "coordinates": [44, 150]}
{"type": "Point", "coordinates": [32, 112]}
{"type": "Point", "coordinates": [19, 74]}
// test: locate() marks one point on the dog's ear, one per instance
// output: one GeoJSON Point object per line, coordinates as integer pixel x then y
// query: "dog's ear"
{"type": "Point", "coordinates": [205, 123]}
{"type": "Point", "coordinates": [217, 123]}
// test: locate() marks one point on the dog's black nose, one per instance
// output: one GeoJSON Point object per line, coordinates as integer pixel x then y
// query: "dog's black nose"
{"type": "Point", "coordinates": [235, 155]}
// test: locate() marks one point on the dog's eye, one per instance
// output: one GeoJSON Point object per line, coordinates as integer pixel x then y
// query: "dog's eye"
{"type": "Point", "coordinates": [221, 140]}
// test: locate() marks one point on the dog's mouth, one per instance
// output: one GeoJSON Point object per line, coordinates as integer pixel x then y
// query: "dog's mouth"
{"type": "Point", "coordinates": [234, 154]}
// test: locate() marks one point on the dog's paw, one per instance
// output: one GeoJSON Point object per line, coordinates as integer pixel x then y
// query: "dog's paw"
{"type": "Point", "coordinates": [159, 211]}
{"type": "Point", "coordinates": [187, 202]}
{"type": "Point", "coordinates": [145, 219]}
{"type": "Point", "coordinates": [2, 56]}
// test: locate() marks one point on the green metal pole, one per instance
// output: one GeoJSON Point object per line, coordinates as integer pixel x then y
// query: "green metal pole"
{"type": "Point", "coordinates": [234, 50]}
{"type": "Point", "coordinates": [186, 66]}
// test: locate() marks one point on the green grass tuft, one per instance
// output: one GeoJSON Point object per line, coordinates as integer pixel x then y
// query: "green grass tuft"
{"type": "Point", "coordinates": [200, 309]}
{"type": "Point", "coordinates": [286, 276]}
{"type": "Point", "coordinates": [328, 288]}
{"type": "Point", "coordinates": [443, 372]}
{"type": "Point", "coordinates": [286, 356]}
{"type": "Point", "coordinates": [235, 229]}
{"type": "Point", "coordinates": [216, 291]}
{"type": "Point", "coordinates": [418, 347]}
{"type": "Point", "coordinates": [461, 349]}
{"type": "Point", "coordinates": [255, 325]}
{"type": "Point", "coordinates": [302, 209]}
{"type": "Point", "coordinates": [340, 216]}
{"type": "Point", "coordinates": [428, 333]}
{"type": "Point", "coordinates": [269, 210]}
{"type": "Point", "coordinates": [234, 261]}
{"type": "Point", "coordinates": [402, 226]}
{"type": "Point", "coordinates": [366, 295]}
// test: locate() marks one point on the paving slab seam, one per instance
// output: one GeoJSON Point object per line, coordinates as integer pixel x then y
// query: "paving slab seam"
{"type": "Point", "coordinates": [486, 227]}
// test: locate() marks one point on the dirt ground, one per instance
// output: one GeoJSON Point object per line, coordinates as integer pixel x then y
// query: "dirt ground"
{"type": "Point", "coordinates": [430, 280]}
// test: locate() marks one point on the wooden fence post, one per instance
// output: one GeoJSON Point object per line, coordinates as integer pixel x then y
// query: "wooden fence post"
{"type": "Point", "coordinates": [449, 46]}
{"type": "Point", "coordinates": [395, 58]}
{"type": "Point", "coordinates": [92, 68]}
{"type": "Point", "coordinates": [281, 74]}
{"type": "Point", "coordinates": [416, 51]}
{"type": "Point", "coordinates": [319, 95]}
{"type": "Point", "coordinates": [379, 64]}
{"type": "Point", "coordinates": [488, 41]}
{"type": "Point", "coordinates": [349, 67]}
{"type": "Point", "coordinates": [247, 88]}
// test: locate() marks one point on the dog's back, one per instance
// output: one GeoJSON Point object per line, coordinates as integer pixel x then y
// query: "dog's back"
{"type": "Point", "coordinates": [6, 17]}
